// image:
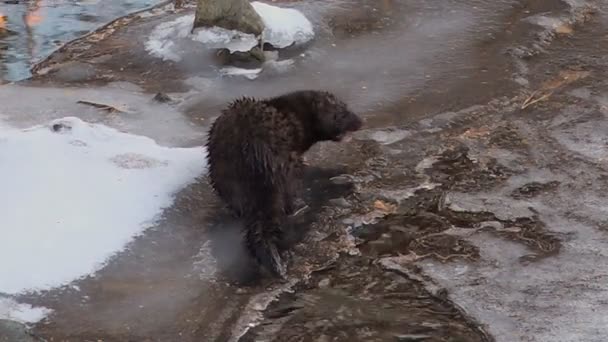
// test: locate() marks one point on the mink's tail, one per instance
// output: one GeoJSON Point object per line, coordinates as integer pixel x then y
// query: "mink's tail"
{"type": "Point", "coordinates": [264, 236]}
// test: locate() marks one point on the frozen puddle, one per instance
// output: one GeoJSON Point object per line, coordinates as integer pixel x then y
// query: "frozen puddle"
{"type": "Point", "coordinates": [74, 193]}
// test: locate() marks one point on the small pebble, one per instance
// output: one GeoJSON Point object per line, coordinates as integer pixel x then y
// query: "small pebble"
{"type": "Point", "coordinates": [340, 180]}
{"type": "Point", "coordinates": [412, 337]}
{"type": "Point", "coordinates": [348, 221]}
{"type": "Point", "coordinates": [324, 283]}
{"type": "Point", "coordinates": [162, 98]}
{"type": "Point", "coordinates": [323, 338]}
{"type": "Point", "coordinates": [492, 224]}
{"type": "Point", "coordinates": [59, 127]}
{"type": "Point", "coordinates": [340, 202]}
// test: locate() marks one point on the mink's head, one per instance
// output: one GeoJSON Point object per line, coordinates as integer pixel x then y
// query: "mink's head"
{"type": "Point", "coordinates": [333, 119]}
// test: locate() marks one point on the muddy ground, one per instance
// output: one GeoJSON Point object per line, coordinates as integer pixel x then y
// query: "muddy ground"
{"type": "Point", "coordinates": [471, 208]}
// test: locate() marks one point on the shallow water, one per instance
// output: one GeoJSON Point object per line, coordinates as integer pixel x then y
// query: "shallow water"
{"type": "Point", "coordinates": [41, 26]}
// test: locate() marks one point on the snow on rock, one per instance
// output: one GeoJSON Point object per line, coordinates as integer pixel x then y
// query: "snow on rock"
{"type": "Point", "coordinates": [284, 27]}
{"type": "Point", "coordinates": [23, 313]}
{"type": "Point", "coordinates": [164, 41]}
{"type": "Point", "coordinates": [217, 37]}
{"type": "Point", "coordinates": [74, 193]}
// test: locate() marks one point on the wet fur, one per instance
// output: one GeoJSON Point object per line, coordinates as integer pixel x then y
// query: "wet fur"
{"type": "Point", "coordinates": [255, 160]}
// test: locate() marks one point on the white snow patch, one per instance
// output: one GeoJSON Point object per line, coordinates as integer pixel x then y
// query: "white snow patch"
{"type": "Point", "coordinates": [234, 71]}
{"type": "Point", "coordinates": [73, 197]}
{"type": "Point", "coordinates": [279, 66]}
{"type": "Point", "coordinates": [546, 22]}
{"type": "Point", "coordinates": [252, 74]}
{"type": "Point", "coordinates": [284, 27]}
{"type": "Point", "coordinates": [23, 313]}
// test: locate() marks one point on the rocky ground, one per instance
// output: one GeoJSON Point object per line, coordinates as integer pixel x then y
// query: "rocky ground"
{"type": "Point", "coordinates": [471, 208]}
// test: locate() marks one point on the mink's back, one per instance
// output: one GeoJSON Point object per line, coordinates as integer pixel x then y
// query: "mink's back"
{"type": "Point", "coordinates": [249, 148]}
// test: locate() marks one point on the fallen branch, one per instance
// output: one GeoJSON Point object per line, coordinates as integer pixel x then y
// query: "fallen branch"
{"type": "Point", "coordinates": [110, 109]}
{"type": "Point", "coordinates": [531, 100]}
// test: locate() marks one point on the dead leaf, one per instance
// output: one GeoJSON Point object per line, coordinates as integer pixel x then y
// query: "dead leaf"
{"type": "Point", "coordinates": [548, 87]}
{"type": "Point", "coordinates": [385, 207]}
{"type": "Point", "coordinates": [410, 258]}
{"type": "Point", "coordinates": [564, 29]}
{"type": "Point", "coordinates": [476, 132]}
{"type": "Point", "coordinates": [33, 18]}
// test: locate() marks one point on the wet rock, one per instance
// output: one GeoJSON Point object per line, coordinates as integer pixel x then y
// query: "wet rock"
{"type": "Point", "coordinates": [364, 303]}
{"type": "Point", "coordinates": [253, 58]}
{"type": "Point", "coordinates": [11, 331]}
{"type": "Point", "coordinates": [534, 189]}
{"type": "Point", "coordinates": [229, 14]}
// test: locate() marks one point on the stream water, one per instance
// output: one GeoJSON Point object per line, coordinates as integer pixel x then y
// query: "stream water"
{"type": "Point", "coordinates": [35, 28]}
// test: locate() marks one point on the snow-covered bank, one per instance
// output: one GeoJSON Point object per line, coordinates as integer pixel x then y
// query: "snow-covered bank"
{"type": "Point", "coordinates": [284, 27]}
{"type": "Point", "coordinates": [74, 193]}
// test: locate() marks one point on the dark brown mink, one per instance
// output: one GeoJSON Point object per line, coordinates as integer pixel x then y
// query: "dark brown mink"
{"type": "Point", "coordinates": [255, 150]}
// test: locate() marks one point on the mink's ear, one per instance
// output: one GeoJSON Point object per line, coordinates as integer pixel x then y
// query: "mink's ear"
{"type": "Point", "coordinates": [317, 103]}
{"type": "Point", "coordinates": [325, 104]}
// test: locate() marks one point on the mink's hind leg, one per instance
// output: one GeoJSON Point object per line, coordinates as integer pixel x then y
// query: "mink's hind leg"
{"type": "Point", "coordinates": [294, 203]}
{"type": "Point", "coordinates": [293, 190]}
{"type": "Point", "coordinates": [289, 198]}
{"type": "Point", "coordinates": [264, 236]}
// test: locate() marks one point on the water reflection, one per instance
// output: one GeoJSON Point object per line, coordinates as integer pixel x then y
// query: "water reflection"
{"type": "Point", "coordinates": [32, 29]}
